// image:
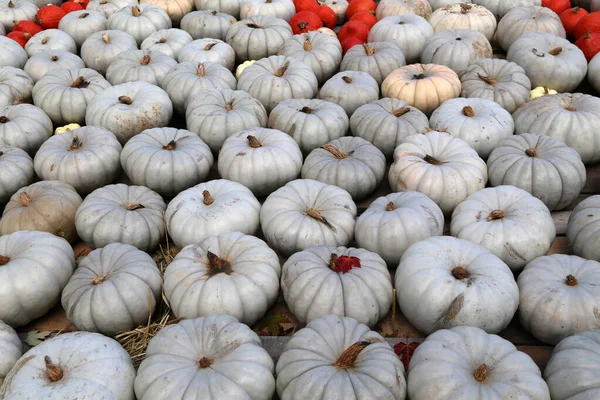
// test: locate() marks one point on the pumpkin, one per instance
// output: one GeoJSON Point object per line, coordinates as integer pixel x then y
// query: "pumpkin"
{"type": "Point", "coordinates": [194, 280]}
{"type": "Point", "coordinates": [350, 42]}
{"type": "Point", "coordinates": [41, 261]}
{"type": "Point", "coordinates": [128, 281]}
{"type": "Point", "coordinates": [488, 367]}
{"type": "Point", "coordinates": [129, 108]}
{"type": "Point", "coordinates": [64, 94]}
{"type": "Point", "coordinates": [320, 52]}
{"type": "Point", "coordinates": [20, 37]}
{"type": "Point", "coordinates": [549, 61]}
{"type": "Point", "coordinates": [343, 352]}
{"type": "Point", "coordinates": [213, 50]}
{"type": "Point", "coordinates": [70, 6]}
{"type": "Point", "coordinates": [86, 158]}
{"type": "Point", "coordinates": [339, 7]}
{"type": "Point", "coordinates": [593, 76]}
{"type": "Point", "coordinates": [507, 221]}
{"type": "Point", "coordinates": [223, 357]}
{"type": "Point", "coordinates": [350, 90]}
{"type": "Point", "coordinates": [110, 7]}
{"type": "Point", "coordinates": [140, 65]}
{"type": "Point", "coordinates": [140, 21]}
{"type": "Point", "coordinates": [49, 16]}
{"type": "Point", "coordinates": [122, 214]}
{"type": "Point", "coordinates": [24, 126]}
{"type": "Point", "coordinates": [392, 223]}
{"type": "Point", "coordinates": [350, 163]}
{"type": "Point", "coordinates": [377, 59]}
{"type": "Point", "coordinates": [481, 123]}
{"type": "Point", "coordinates": [16, 171]}
{"type": "Point", "coordinates": [175, 9]}
{"type": "Point", "coordinates": [571, 118]}
{"type": "Point", "coordinates": [50, 39]}
{"type": "Point", "coordinates": [409, 32]}
{"type": "Point", "coordinates": [360, 6]}
{"type": "Point", "coordinates": [502, 81]}
{"type": "Point", "coordinates": [210, 209]}
{"type": "Point", "coordinates": [358, 272]}
{"type": "Point", "coordinates": [89, 364]}
{"type": "Point", "coordinates": [13, 54]}
{"type": "Point", "coordinates": [45, 61]}
{"type": "Point", "coordinates": [274, 79]}
{"type": "Point", "coordinates": [354, 29]}
{"type": "Point", "coordinates": [102, 48]}
{"type": "Point", "coordinates": [522, 20]}
{"type": "Point", "coordinates": [464, 16]}
{"type": "Point", "coordinates": [570, 372]}
{"type": "Point", "coordinates": [283, 9]}
{"type": "Point", "coordinates": [590, 22]}
{"type": "Point", "coordinates": [246, 155]}
{"type": "Point", "coordinates": [166, 160]}
{"type": "Point", "coordinates": [424, 86]}
{"type": "Point", "coordinates": [389, 8]}
{"type": "Point", "coordinates": [16, 10]}
{"type": "Point", "coordinates": [257, 37]}
{"type": "Point", "coordinates": [589, 44]}
{"type": "Point", "coordinates": [443, 282]}
{"type": "Point", "coordinates": [207, 24]}
{"type": "Point", "coordinates": [11, 349]}
{"type": "Point", "coordinates": [582, 228]}
{"type": "Point", "coordinates": [435, 4]}
{"type": "Point", "coordinates": [329, 18]}
{"type": "Point", "coordinates": [66, 128]}
{"type": "Point", "coordinates": [82, 24]}
{"type": "Point", "coordinates": [541, 91]}
{"type": "Point", "coordinates": [366, 17]}
{"type": "Point", "coordinates": [570, 17]}
{"type": "Point", "coordinates": [167, 41]}
{"type": "Point", "coordinates": [231, 7]}
{"type": "Point", "coordinates": [500, 7]}
{"type": "Point", "coordinates": [306, 213]}
{"type": "Point", "coordinates": [15, 86]}
{"type": "Point", "coordinates": [214, 115]}
{"type": "Point", "coordinates": [439, 165]}
{"type": "Point", "coordinates": [26, 26]}
{"type": "Point", "coordinates": [306, 5]}
{"type": "Point", "coordinates": [543, 166]}
{"type": "Point", "coordinates": [456, 48]}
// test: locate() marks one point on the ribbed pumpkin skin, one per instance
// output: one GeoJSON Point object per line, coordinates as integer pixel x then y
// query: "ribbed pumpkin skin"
{"type": "Point", "coordinates": [13, 54]}
{"type": "Point", "coordinates": [109, 7]}
{"type": "Point", "coordinates": [45, 61]}
{"type": "Point", "coordinates": [207, 24]}
{"type": "Point", "coordinates": [464, 16]}
{"type": "Point", "coordinates": [408, 32]}
{"type": "Point", "coordinates": [103, 47]}
{"type": "Point", "coordinates": [21, 10]}
{"type": "Point", "coordinates": [500, 7]}
{"type": "Point", "coordinates": [167, 41]}
{"type": "Point", "coordinates": [140, 21]}
{"type": "Point", "coordinates": [11, 349]}
{"type": "Point", "coordinates": [594, 72]}
{"type": "Point", "coordinates": [81, 24]}
{"type": "Point", "coordinates": [252, 43]}
{"type": "Point", "coordinates": [25, 126]}
{"type": "Point", "coordinates": [15, 86]}
{"type": "Point", "coordinates": [456, 48]}
{"type": "Point", "coordinates": [140, 65]}
{"type": "Point", "coordinates": [16, 171]}
{"type": "Point", "coordinates": [50, 39]}
{"type": "Point", "coordinates": [583, 227]}
{"type": "Point", "coordinates": [521, 20]}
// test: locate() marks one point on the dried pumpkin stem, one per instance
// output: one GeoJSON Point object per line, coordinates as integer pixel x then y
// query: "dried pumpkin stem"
{"type": "Point", "coordinates": [99, 279]}
{"type": "Point", "coordinates": [400, 111]}
{"type": "Point", "coordinates": [419, 76]}
{"type": "Point", "coordinates": [487, 79]}
{"type": "Point", "coordinates": [468, 111]}
{"type": "Point", "coordinates": [432, 160]}
{"type": "Point", "coordinates": [125, 100]}
{"type": "Point", "coordinates": [135, 11]}
{"type": "Point", "coordinates": [134, 206]}
{"type": "Point", "coordinates": [208, 200]}
{"type": "Point", "coordinates": [229, 105]}
{"type": "Point", "coordinates": [481, 373]}
{"type": "Point", "coordinates": [54, 372]}
{"type": "Point", "coordinates": [54, 58]}
{"type": "Point", "coordinates": [84, 15]}
{"type": "Point", "coordinates": [531, 152]}
{"type": "Point", "coordinates": [571, 280]}
{"type": "Point", "coordinates": [11, 4]}
{"type": "Point", "coordinates": [306, 110]}
{"type": "Point", "coordinates": [210, 46]}
{"type": "Point", "coordinates": [390, 206]}
{"type": "Point", "coordinates": [337, 153]}
{"type": "Point", "coordinates": [145, 59]}
{"type": "Point", "coordinates": [465, 8]}
{"type": "Point", "coordinates": [25, 199]}
{"type": "Point", "coordinates": [162, 40]}
{"type": "Point", "coordinates": [316, 214]}
{"type": "Point", "coordinates": [201, 71]}
{"type": "Point", "coordinates": [213, 13]}
{"type": "Point", "coordinates": [368, 49]}
{"type": "Point", "coordinates": [280, 71]}
{"type": "Point", "coordinates": [348, 357]}
{"type": "Point", "coordinates": [460, 272]}
{"type": "Point", "coordinates": [4, 260]}
{"type": "Point", "coordinates": [496, 214]}
{"type": "Point", "coordinates": [44, 41]}
{"type": "Point", "coordinates": [3, 120]}
{"type": "Point", "coordinates": [347, 79]}
{"type": "Point", "coordinates": [170, 146]}
{"type": "Point", "coordinates": [205, 362]}
{"type": "Point", "coordinates": [555, 51]}
{"type": "Point", "coordinates": [570, 108]}
{"type": "Point", "coordinates": [307, 45]}
{"type": "Point", "coordinates": [217, 265]}
{"type": "Point", "coordinates": [105, 38]}
{"type": "Point", "coordinates": [253, 26]}
{"type": "Point", "coordinates": [253, 141]}
{"type": "Point", "coordinates": [76, 144]}
{"type": "Point", "coordinates": [80, 83]}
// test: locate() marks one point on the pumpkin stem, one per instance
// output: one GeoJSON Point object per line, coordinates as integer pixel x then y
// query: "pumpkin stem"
{"type": "Point", "coordinates": [99, 279]}
{"type": "Point", "coordinates": [419, 76]}
{"type": "Point", "coordinates": [368, 49]}
{"type": "Point", "coordinates": [213, 13]}
{"type": "Point", "coordinates": [1, 153]}
{"type": "Point", "coordinates": [134, 206]}
{"type": "Point", "coordinates": [201, 71]}
{"type": "Point", "coordinates": [431, 160]}
{"type": "Point", "coordinates": [162, 40]}
{"type": "Point", "coordinates": [487, 79]}
{"type": "Point", "coordinates": [390, 206]}
{"type": "Point", "coordinates": [204, 362]}
{"type": "Point", "coordinates": [555, 51]}
{"type": "Point", "coordinates": [80, 83]}
{"type": "Point", "coordinates": [302, 25]}
{"type": "Point", "coordinates": [229, 105]}
{"type": "Point", "coordinates": [480, 374]}
{"type": "Point", "coordinates": [11, 4]}
{"type": "Point", "coordinates": [537, 53]}
{"type": "Point", "coordinates": [307, 45]}
{"type": "Point", "coordinates": [531, 152]}
{"type": "Point", "coordinates": [76, 144]}
{"type": "Point", "coordinates": [25, 199]}
{"type": "Point", "coordinates": [54, 58]}
{"type": "Point", "coordinates": [570, 108]}
{"type": "Point", "coordinates": [254, 143]}
{"type": "Point", "coordinates": [135, 11]}
{"type": "Point", "coordinates": [3, 120]}
{"type": "Point", "coordinates": [496, 214]}
{"type": "Point", "coordinates": [84, 15]}
{"type": "Point", "coordinates": [588, 34]}
{"type": "Point", "coordinates": [4, 260]}
{"type": "Point", "coordinates": [210, 46]}
{"type": "Point", "coordinates": [337, 153]}
{"type": "Point", "coordinates": [347, 79]}
{"type": "Point", "coordinates": [464, 8]}
{"type": "Point", "coordinates": [575, 10]}
{"type": "Point", "coordinates": [125, 100]}
{"type": "Point", "coordinates": [268, 1]}
{"type": "Point", "coordinates": [349, 355]}
{"type": "Point", "coordinates": [105, 38]}
{"type": "Point", "coordinates": [460, 272]}
{"type": "Point", "coordinates": [571, 280]}
{"type": "Point", "coordinates": [44, 40]}
{"type": "Point", "coordinates": [217, 265]}
{"type": "Point", "coordinates": [145, 59]}
{"type": "Point", "coordinates": [253, 26]}
{"type": "Point", "coordinates": [55, 373]}
{"type": "Point", "coordinates": [316, 214]}
{"type": "Point", "coordinates": [170, 146]}
{"type": "Point", "coordinates": [208, 200]}
{"type": "Point", "coordinates": [306, 110]}
{"type": "Point", "coordinates": [546, 90]}
{"type": "Point", "coordinates": [280, 71]}
{"type": "Point", "coordinates": [400, 111]}
{"type": "Point", "coordinates": [468, 111]}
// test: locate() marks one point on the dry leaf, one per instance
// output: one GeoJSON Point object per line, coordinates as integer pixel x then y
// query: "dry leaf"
{"type": "Point", "coordinates": [35, 337]}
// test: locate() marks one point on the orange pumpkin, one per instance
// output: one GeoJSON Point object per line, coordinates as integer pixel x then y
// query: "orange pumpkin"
{"type": "Point", "coordinates": [354, 29]}
{"type": "Point", "coordinates": [350, 42]}
{"type": "Point", "coordinates": [70, 6]}
{"type": "Point", "coordinates": [557, 6]}
{"type": "Point", "coordinates": [366, 17]}
{"type": "Point", "coordinates": [589, 44]}
{"type": "Point", "coordinates": [20, 37]}
{"type": "Point", "coordinates": [571, 17]}
{"type": "Point", "coordinates": [305, 21]}
{"type": "Point", "coordinates": [590, 22]}
{"type": "Point", "coordinates": [327, 16]}
{"type": "Point", "coordinates": [306, 5]}
{"type": "Point", "coordinates": [26, 26]}
{"type": "Point", "coordinates": [360, 5]}
{"type": "Point", "coordinates": [49, 16]}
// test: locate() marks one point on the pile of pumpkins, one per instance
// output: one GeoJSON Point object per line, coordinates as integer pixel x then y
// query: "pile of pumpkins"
{"type": "Point", "coordinates": [247, 131]}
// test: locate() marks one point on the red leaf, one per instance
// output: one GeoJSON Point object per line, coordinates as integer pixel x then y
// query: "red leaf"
{"type": "Point", "coordinates": [405, 351]}
{"type": "Point", "coordinates": [343, 264]}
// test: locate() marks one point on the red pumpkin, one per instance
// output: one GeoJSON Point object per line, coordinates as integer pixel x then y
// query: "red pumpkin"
{"type": "Point", "coordinates": [70, 6]}
{"type": "Point", "coordinates": [590, 22]}
{"type": "Point", "coordinates": [589, 44]}
{"type": "Point", "coordinates": [20, 37]}
{"type": "Point", "coordinates": [361, 5]}
{"type": "Point", "coordinates": [49, 16]}
{"type": "Point", "coordinates": [571, 17]}
{"type": "Point", "coordinates": [366, 17]}
{"type": "Point", "coordinates": [557, 6]}
{"type": "Point", "coordinates": [350, 42]}
{"type": "Point", "coordinates": [327, 16]}
{"type": "Point", "coordinates": [27, 26]}
{"type": "Point", "coordinates": [83, 3]}
{"type": "Point", "coordinates": [305, 21]}
{"type": "Point", "coordinates": [354, 29]}
{"type": "Point", "coordinates": [306, 5]}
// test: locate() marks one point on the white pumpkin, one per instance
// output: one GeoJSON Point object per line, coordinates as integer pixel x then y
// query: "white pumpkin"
{"type": "Point", "coordinates": [50, 39]}
{"type": "Point", "coordinates": [46, 206]}
{"type": "Point", "coordinates": [387, 122]}
{"type": "Point", "coordinates": [488, 367]}
{"type": "Point", "coordinates": [41, 261]}
{"type": "Point", "coordinates": [502, 81]}
{"type": "Point", "coordinates": [122, 214]}
{"type": "Point", "coordinates": [283, 9]}
{"type": "Point", "coordinates": [409, 32]}
{"type": "Point", "coordinates": [231, 7]}
{"type": "Point", "coordinates": [16, 171]}
{"type": "Point", "coordinates": [64, 93]}
{"type": "Point", "coordinates": [88, 364]}
{"type": "Point", "coordinates": [350, 163]}
{"type": "Point", "coordinates": [435, 4]}
{"type": "Point", "coordinates": [175, 9]}
{"type": "Point", "coordinates": [593, 76]}
{"type": "Point", "coordinates": [354, 283]}
{"type": "Point", "coordinates": [103, 47]}
{"type": "Point", "coordinates": [261, 159]}
{"type": "Point", "coordinates": [86, 158]}
{"type": "Point", "coordinates": [341, 352]}
{"type": "Point", "coordinates": [443, 167]}
{"type": "Point", "coordinates": [140, 65]}
{"type": "Point", "coordinates": [196, 279]}
{"type": "Point", "coordinates": [16, 10]}
{"type": "Point", "coordinates": [464, 16]}
{"type": "Point", "coordinates": [81, 24]}
{"type": "Point", "coordinates": [545, 167]}
{"type": "Point", "coordinates": [388, 8]}
{"type": "Point", "coordinates": [500, 7]}
{"type": "Point", "coordinates": [207, 24]}
{"type": "Point", "coordinates": [24, 126]}
{"type": "Point", "coordinates": [125, 278]}
{"type": "Point", "coordinates": [167, 41]}
{"type": "Point", "coordinates": [521, 20]}
{"type": "Point", "coordinates": [15, 86]}
{"type": "Point", "coordinates": [559, 297]}
{"type": "Point", "coordinates": [166, 160]}
{"type": "Point", "coordinates": [583, 227]}
{"type": "Point", "coordinates": [140, 21]}
{"type": "Point", "coordinates": [11, 349]}
{"type": "Point", "coordinates": [443, 282]}
{"type": "Point", "coordinates": [257, 37]}
{"type": "Point", "coordinates": [217, 114]}
{"type": "Point", "coordinates": [392, 223]}
{"type": "Point", "coordinates": [350, 90]}
{"type": "Point", "coordinates": [13, 55]}
{"type": "Point", "coordinates": [306, 213]}
{"type": "Point", "coordinates": [202, 50]}
{"type": "Point", "coordinates": [507, 221]}
{"type": "Point", "coordinates": [210, 209]}
{"type": "Point", "coordinates": [456, 48]}
{"type": "Point", "coordinates": [377, 59]}
{"type": "Point", "coordinates": [45, 61]}
{"type": "Point", "coordinates": [109, 7]}
{"type": "Point", "coordinates": [129, 108]}
{"type": "Point", "coordinates": [481, 123]}
{"type": "Point", "coordinates": [216, 357]}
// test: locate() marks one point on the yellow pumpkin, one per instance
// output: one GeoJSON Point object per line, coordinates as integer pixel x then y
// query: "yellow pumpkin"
{"type": "Point", "coordinates": [66, 128]}
{"type": "Point", "coordinates": [540, 91]}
